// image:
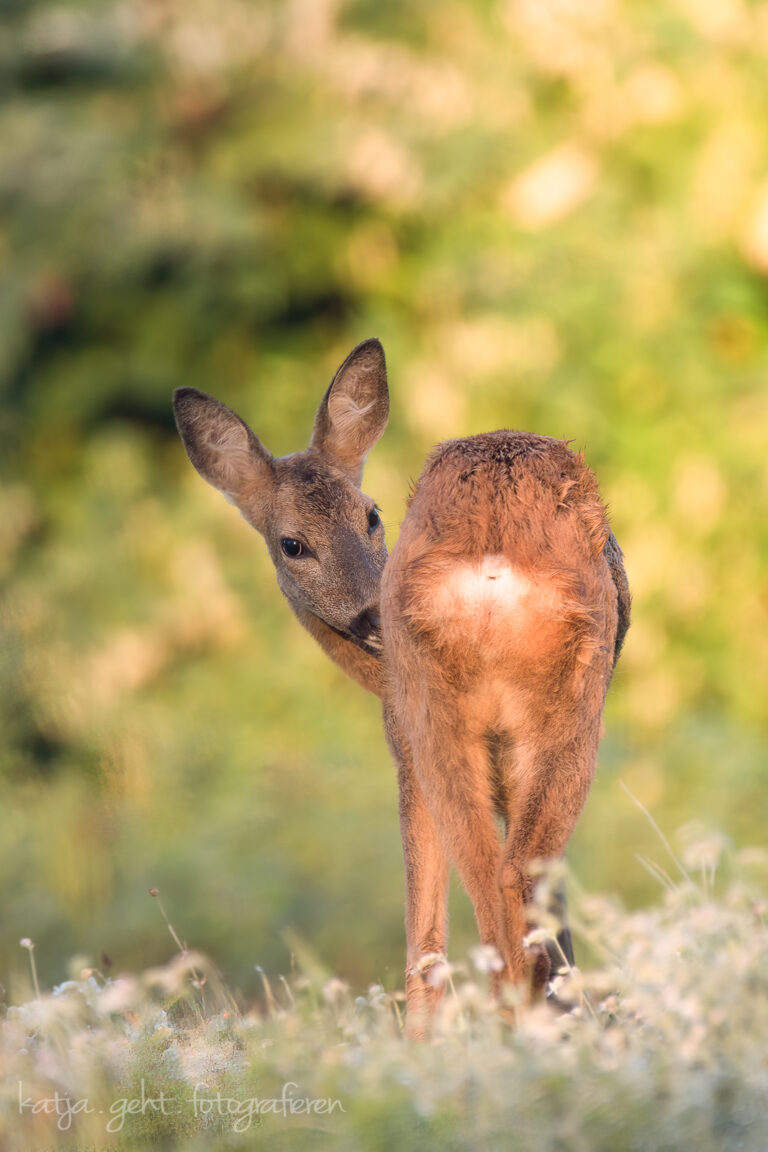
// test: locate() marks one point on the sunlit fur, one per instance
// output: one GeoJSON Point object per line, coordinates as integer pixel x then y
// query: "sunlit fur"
{"type": "Point", "coordinates": [503, 609]}
{"type": "Point", "coordinates": [500, 621]}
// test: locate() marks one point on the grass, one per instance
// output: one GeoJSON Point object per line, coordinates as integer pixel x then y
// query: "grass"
{"type": "Point", "coordinates": [665, 1046]}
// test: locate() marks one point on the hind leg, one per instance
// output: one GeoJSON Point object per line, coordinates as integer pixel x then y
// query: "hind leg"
{"type": "Point", "coordinates": [561, 948]}
{"type": "Point", "coordinates": [450, 767]}
{"type": "Point", "coordinates": [554, 776]}
{"type": "Point", "coordinates": [426, 888]}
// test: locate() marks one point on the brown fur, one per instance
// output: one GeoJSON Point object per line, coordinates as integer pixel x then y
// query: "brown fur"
{"type": "Point", "coordinates": [499, 622]}
{"type": "Point", "coordinates": [503, 609]}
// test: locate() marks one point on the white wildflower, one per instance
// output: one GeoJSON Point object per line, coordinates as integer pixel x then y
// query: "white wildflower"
{"type": "Point", "coordinates": [486, 959]}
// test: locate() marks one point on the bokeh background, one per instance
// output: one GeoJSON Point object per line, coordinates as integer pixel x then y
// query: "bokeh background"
{"type": "Point", "coordinates": [554, 214]}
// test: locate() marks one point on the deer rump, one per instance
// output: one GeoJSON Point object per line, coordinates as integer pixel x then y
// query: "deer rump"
{"type": "Point", "coordinates": [499, 582]}
{"type": "Point", "coordinates": [500, 625]}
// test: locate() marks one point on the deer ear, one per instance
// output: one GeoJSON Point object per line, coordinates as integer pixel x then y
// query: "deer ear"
{"type": "Point", "coordinates": [353, 413]}
{"type": "Point", "coordinates": [223, 448]}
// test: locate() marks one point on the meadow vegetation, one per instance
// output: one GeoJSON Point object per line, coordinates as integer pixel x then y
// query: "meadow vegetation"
{"type": "Point", "coordinates": [664, 1046]}
{"type": "Point", "coordinates": [555, 217]}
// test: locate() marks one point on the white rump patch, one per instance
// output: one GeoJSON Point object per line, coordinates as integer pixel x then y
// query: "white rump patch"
{"type": "Point", "coordinates": [492, 582]}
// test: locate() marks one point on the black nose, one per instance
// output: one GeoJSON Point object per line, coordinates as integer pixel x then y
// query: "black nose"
{"type": "Point", "coordinates": [367, 624]}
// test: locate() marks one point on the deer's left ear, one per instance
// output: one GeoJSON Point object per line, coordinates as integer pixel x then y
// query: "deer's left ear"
{"type": "Point", "coordinates": [354, 411]}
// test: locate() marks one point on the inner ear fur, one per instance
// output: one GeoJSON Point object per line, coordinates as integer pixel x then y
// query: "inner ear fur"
{"type": "Point", "coordinates": [221, 446]}
{"type": "Point", "coordinates": [354, 411]}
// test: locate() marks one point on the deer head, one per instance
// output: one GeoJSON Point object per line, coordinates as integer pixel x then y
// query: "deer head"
{"type": "Point", "coordinates": [324, 535]}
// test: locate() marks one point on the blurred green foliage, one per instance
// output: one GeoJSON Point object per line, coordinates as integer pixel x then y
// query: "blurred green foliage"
{"type": "Point", "coordinates": [555, 217]}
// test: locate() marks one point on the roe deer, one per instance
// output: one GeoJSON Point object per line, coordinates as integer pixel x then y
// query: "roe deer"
{"type": "Point", "coordinates": [490, 634]}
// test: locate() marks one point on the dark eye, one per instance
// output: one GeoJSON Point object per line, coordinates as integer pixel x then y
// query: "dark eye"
{"type": "Point", "coordinates": [291, 547]}
{"type": "Point", "coordinates": [373, 519]}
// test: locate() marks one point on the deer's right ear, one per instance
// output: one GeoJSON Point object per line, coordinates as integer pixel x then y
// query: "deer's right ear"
{"type": "Point", "coordinates": [354, 411]}
{"type": "Point", "coordinates": [223, 448]}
